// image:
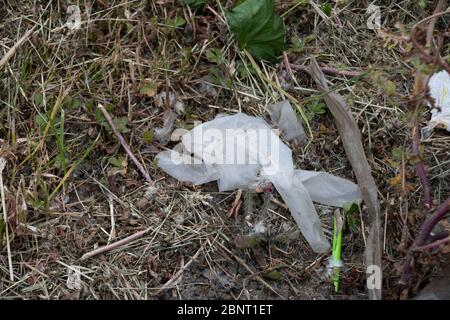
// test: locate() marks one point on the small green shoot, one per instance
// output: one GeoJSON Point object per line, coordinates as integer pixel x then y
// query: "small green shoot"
{"type": "Point", "coordinates": [337, 249]}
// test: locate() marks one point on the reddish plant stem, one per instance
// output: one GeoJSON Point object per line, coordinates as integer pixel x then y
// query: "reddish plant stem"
{"type": "Point", "coordinates": [434, 244]}
{"type": "Point", "coordinates": [439, 236]}
{"type": "Point", "coordinates": [420, 168]}
{"type": "Point", "coordinates": [429, 223]}
{"type": "Point", "coordinates": [424, 233]}
{"type": "Point", "coordinates": [125, 145]}
{"type": "Point", "coordinates": [424, 55]}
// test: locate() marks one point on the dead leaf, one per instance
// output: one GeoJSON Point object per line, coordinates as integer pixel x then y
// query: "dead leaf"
{"type": "Point", "coordinates": [351, 139]}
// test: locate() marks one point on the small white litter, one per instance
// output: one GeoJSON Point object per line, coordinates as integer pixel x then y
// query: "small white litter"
{"type": "Point", "coordinates": [286, 119]}
{"type": "Point", "coordinates": [439, 86]}
{"type": "Point", "coordinates": [240, 151]}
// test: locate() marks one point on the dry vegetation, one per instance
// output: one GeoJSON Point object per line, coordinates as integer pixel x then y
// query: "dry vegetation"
{"type": "Point", "coordinates": [70, 188]}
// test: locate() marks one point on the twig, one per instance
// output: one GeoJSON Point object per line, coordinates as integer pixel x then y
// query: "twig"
{"type": "Point", "coordinates": [257, 277]}
{"type": "Point", "coordinates": [5, 220]}
{"type": "Point", "coordinates": [434, 244]}
{"type": "Point", "coordinates": [420, 167]}
{"type": "Point", "coordinates": [112, 233]}
{"type": "Point", "coordinates": [329, 71]}
{"type": "Point", "coordinates": [425, 56]}
{"type": "Point", "coordinates": [169, 284]}
{"type": "Point", "coordinates": [125, 145]}
{"type": "Point", "coordinates": [429, 40]}
{"type": "Point", "coordinates": [13, 49]}
{"type": "Point", "coordinates": [424, 233]}
{"type": "Point", "coordinates": [429, 224]}
{"type": "Point", "coordinates": [115, 245]}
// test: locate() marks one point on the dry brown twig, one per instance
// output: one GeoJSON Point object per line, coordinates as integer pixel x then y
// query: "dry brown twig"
{"type": "Point", "coordinates": [115, 245]}
{"type": "Point", "coordinates": [14, 48]}
{"type": "Point", "coordinates": [172, 281]}
{"type": "Point", "coordinates": [126, 146]}
{"type": "Point", "coordinates": [5, 220]}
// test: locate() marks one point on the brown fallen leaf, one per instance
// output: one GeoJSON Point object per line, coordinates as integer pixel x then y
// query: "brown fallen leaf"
{"type": "Point", "coordinates": [351, 139]}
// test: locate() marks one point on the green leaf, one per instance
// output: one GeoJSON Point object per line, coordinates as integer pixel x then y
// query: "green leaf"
{"type": "Point", "coordinates": [350, 213]}
{"type": "Point", "coordinates": [318, 108]}
{"type": "Point", "coordinates": [121, 124]}
{"type": "Point", "coordinates": [327, 9]}
{"type": "Point", "coordinates": [119, 162]}
{"type": "Point", "coordinates": [72, 103]}
{"type": "Point", "coordinates": [389, 88]}
{"type": "Point", "coordinates": [257, 29]}
{"type": "Point", "coordinates": [195, 4]}
{"type": "Point", "coordinates": [148, 89]}
{"type": "Point", "coordinates": [176, 22]}
{"type": "Point", "coordinates": [215, 55]}
{"type": "Point", "coordinates": [148, 136]}
{"type": "Point", "coordinates": [397, 153]}
{"type": "Point", "coordinates": [273, 275]}
{"type": "Point", "coordinates": [38, 99]}
{"type": "Point", "coordinates": [179, 22]}
{"type": "Point", "coordinates": [41, 121]}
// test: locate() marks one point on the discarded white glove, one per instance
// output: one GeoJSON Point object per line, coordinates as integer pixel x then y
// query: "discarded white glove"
{"type": "Point", "coordinates": [241, 151]}
{"type": "Point", "coordinates": [439, 86]}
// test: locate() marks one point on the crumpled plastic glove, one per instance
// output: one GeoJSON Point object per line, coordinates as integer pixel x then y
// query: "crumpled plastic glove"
{"type": "Point", "coordinates": [202, 157]}
{"type": "Point", "coordinates": [439, 86]}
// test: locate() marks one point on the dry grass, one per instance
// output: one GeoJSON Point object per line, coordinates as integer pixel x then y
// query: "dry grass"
{"type": "Point", "coordinates": [49, 127]}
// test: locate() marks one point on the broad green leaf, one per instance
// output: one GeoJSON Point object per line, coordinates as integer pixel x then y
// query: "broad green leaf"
{"type": "Point", "coordinates": [195, 4]}
{"type": "Point", "coordinates": [257, 29]}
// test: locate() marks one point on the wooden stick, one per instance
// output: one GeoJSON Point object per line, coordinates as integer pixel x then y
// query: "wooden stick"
{"type": "Point", "coordinates": [169, 284]}
{"type": "Point", "coordinates": [5, 220]}
{"type": "Point", "coordinates": [429, 40]}
{"type": "Point", "coordinates": [115, 245]}
{"type": "Point", "coordinates": [125, 145]}
{"type": "Point", "coordinates": [435, 244]}
{"type": "Point", "coordinates": [14, 48]}
{"type": "Point", "coordinates": [328, 70]}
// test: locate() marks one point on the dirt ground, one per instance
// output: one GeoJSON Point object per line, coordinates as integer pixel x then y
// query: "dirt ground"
{"type": "Point", "coordinates": [71, 188]}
